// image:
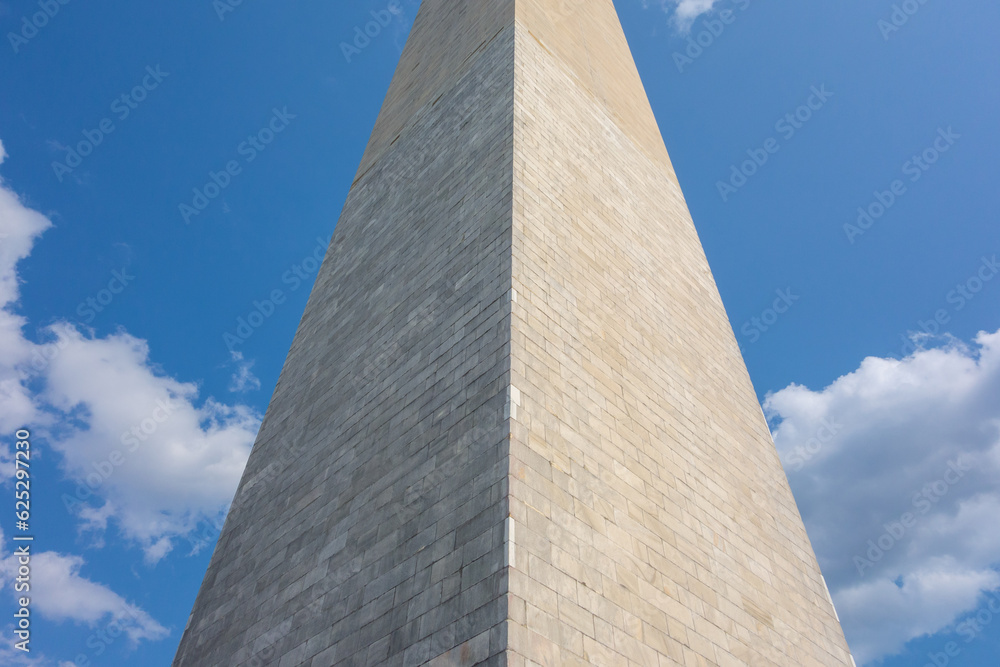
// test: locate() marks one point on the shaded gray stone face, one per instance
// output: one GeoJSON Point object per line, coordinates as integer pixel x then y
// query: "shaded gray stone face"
{"type": "Point", "coordinates": [368, 527]}
{"type": "Point", "coordinates": [514, 427]}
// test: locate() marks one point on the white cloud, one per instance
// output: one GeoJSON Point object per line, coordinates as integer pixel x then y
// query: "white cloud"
{"type": "Point", "coordinates": [884, 615]}
{"type": "Point", "coordinates": [896, 470]}
{"type": "Point", "coordinates": [59, 593]}
{"type": "Point", "coordinates": [685, 12]}
{"type": "Point", "coordinates": [149, 456]}
{"type": "Point", "coordinates": [688, 10]}
{"type": "Point", "coordinates": [19, 227]}
{"type": "Point", "coordinates": [162, 463]}
{"type": "Point", "coordinates": [243, 379]}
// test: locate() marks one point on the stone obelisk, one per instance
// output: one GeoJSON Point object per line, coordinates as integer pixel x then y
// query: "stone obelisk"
{"type": "Point", "coordinates": [514, 426]}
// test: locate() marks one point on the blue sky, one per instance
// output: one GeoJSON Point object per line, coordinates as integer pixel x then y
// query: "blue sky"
{"type": "Point", "coordinates": [118, 311]}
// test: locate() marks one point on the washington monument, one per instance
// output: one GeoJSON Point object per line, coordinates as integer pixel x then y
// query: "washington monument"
{"type": "Point", "coordinates": [514, 426]}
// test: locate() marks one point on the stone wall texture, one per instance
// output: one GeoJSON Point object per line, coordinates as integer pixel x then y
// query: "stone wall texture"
{"type": "Point", "coordinates": [514, 426]}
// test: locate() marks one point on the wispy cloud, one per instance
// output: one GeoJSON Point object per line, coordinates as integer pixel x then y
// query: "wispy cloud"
{"type": "Point", "coordinates": [243, 379]}
{"type": "Point", "coordinates": [12, 657]}
{"type": "Point", "coordinates": [683, 13]}
{"type": "Point", "coordinates": [901, 501]}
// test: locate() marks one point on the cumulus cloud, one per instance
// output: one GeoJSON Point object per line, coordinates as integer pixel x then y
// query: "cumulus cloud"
{"type": "Point", "coordinates": [896, 470]}
{"type": "Point", "coordinates": [140, 441]}
{"type": "Point", "coordinates": [148, 454]}
{"type": "Point", "coordinates": [59, 593]}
